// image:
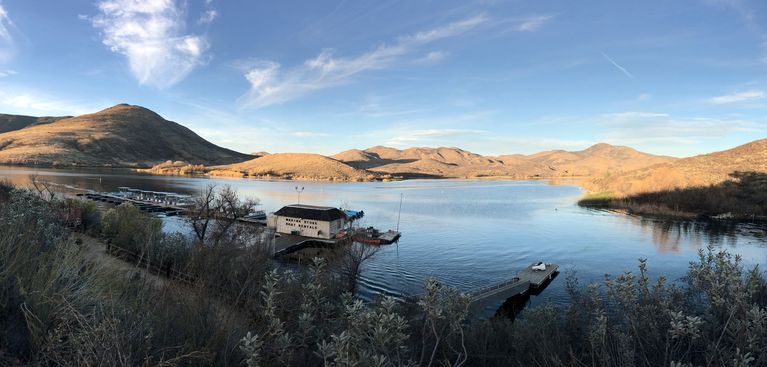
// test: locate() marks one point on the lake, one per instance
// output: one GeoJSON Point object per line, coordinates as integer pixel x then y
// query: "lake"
{"type": "Point", "coordinates": [470, 233]}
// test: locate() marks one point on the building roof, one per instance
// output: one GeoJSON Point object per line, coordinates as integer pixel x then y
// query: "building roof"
{"type": "Point", "coordinates": [323, 213]}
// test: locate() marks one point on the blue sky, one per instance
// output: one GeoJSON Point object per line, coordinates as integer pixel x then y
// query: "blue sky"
{"type": "Point", "coordinates": [492, 76]}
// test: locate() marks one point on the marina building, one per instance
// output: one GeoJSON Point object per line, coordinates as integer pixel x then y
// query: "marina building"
{"type": "Point", "coordinates": [308, 221]}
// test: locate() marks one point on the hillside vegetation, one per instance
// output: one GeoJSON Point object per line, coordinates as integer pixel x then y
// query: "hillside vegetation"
{"type": "Point", "coordinates": [17, 122]}
{"type": "Point", "coordinates": [123, 135]}
{"type": "Point", "coordinates": [698, 171]}
{"type": "Point", "coordinates": [742, 197]}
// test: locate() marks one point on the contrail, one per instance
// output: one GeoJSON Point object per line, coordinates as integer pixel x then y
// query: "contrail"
{"type": "Point", "coordinates": [621, 68]}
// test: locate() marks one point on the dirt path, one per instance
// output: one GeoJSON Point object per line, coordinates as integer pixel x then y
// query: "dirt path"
{"type": "Point", "coordinates": [95, 251]}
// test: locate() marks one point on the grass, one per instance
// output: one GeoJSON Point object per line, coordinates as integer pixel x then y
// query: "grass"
{"type": "Point", "coordinates": [743, 197]}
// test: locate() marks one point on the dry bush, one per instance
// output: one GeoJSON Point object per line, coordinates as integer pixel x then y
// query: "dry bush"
{"type": "Point", "coordinates": [744, 196]}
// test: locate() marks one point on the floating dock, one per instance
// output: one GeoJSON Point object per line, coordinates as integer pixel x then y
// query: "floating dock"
{"type": "Point", "coordinates": [526, 280]}
{"type": "Point", "coordinates": [146, 206]}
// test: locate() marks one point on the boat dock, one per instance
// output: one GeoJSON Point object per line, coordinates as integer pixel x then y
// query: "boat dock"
{"type": "Point", "coordinates": [389, 236]}
{"type": "Point", "coordinates": [526, 280]}
{"type": "Point", "coordinates": [285, 244]}
{"type": "Point", "coordinates": [155, 207]}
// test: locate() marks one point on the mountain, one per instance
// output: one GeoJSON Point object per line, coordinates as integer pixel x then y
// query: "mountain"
{"type": "Point", "coordinates": [123, 135]}
{"type": "Point", "coordinates": [423, 162]}
{"type": "Point", "coordinates": [454, 162]}
{"type": "Point", "coordinates": [17, 122]}
{"type": "Point", "coordinates": [297, 166]}
{"type": "Point", "coordinates": [595, 160]}
{"type": "Point", "coordinates": [701, 170]}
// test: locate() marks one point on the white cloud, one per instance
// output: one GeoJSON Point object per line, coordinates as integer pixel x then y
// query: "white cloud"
{"type": "Point", "coordinates": [431, 58]}
{"type": "Point", "coordinates": [270, 85]}
{"type": "Point", "coordinates": [6, 38]}
{"type": "Point", "coordinates": [749, 95]}
{"type": "Point", "coordinates": [449, 30]}
{"type": "Point", "coordinates": [644, 97]}
{"type": "Point", "coordinates": [5, 25]}
{"type": "Point", "coordinates": [151, 34]}
{"type": "Point", "coordinates": [208, 16]}
{"type": "Point", "coordinates": [533, 23]}
{"type": "Point", "coordinates": [408, 138]}
{"type": "Point", "coordinates": [29, 102]}
{"type": "Point", "coordinates": [650, 127]}
{"type": "Point", "coordinates": [5, 73]}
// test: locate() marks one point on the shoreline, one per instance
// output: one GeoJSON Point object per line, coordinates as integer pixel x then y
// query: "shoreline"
{"type": "Point", "coordinates": [660, 210]}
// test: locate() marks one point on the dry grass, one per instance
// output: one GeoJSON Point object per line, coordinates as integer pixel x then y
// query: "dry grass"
{"type": "Point", "coordinates": [742, 197]}
{"type": "Point", "coordinates": [702, 170]}
{"type": "Point", "coordinates": [122, 135]}
{"type": "Point", "coordinates": [297, 166]}
{"type": "Point", "coordinates": [454, 162]}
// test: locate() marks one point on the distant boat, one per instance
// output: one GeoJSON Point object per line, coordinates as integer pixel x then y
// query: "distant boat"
{"type": "Point", "coordinates": [257, 215]}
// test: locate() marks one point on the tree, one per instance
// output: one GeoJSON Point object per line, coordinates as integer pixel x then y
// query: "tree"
{"type": "Point", "coordinates": [351, 260]}
{"type": "Point", "coordinates": [43, 188]}
{"type": "Point", "coordinates": [215, 213]}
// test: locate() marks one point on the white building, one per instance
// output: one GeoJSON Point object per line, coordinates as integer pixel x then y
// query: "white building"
{"type": "Point", "coordinates": [308, 221]}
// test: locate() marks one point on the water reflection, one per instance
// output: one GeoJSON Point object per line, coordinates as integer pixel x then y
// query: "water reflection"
{"type": "Point", "coordinates": [514, 305]}
{"type": "Point", "coordinates": [673, 236]}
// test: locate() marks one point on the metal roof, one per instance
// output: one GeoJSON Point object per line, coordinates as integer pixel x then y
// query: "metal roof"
{"type": "Point", "coordinates": [322, 213]}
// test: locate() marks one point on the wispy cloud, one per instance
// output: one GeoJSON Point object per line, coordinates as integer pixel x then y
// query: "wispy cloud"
{"type": "Point", "coordinates": [749, 95]}
{"type": "Point", "coordinates": [5, 25]}
{"type": "Point", "coordinates": [21, 101]}
{"type": "Point", "coordinates": [533, 23]}
{"type": "Point", "coordinates": [661, 128]}
{"type": "Point", "coordinates": [209, 14]}
{"type": "Point", "coordinates": [409, 138]}
{"type": "Point", "coordinates": [618, 66]}
{"type": "Point", "coordinates": [6, 38]}
{"type": "Point", "coordinates": [5, 73]}
{"type": "Point", "coordinates": [749, 17]}
{"type": "Point", "coordinates": [151, 34]}
{"type": "Point", "coordinates": [270, 84]}
{"type": "Point", "coordinates": [431, 58]}
{"type": "Point", "coordinates": [644, 97]}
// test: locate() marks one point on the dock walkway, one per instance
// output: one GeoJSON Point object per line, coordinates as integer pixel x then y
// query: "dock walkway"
{"type": "Point", "coordinates": [527, 279]}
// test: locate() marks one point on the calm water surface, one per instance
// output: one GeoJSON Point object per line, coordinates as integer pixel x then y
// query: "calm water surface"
{"type": "Point", "coordinates": [471, 233]}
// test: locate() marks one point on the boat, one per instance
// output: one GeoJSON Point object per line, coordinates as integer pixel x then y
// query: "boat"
{"type": "Point", "coordinates": [257, 215]}
{"type": "Point", "coordinates": [372, 236]}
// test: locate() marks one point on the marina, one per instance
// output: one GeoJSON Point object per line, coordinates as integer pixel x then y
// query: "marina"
{"type": "Point", "coordinates": [293, 228]}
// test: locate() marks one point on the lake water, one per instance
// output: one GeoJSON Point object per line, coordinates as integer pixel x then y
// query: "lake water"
{"type": "Point", "coordinates": [470, 234]}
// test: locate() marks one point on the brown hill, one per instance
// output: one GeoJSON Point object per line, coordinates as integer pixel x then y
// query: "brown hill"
{"type": "Point", "coordinates": [454, 162]}
{"type": "Point", "coordinates": [423, 162]}
{"type": "Point", "coordinates": [298, 166]}
{"type": "Point", "coordinates": [17, 122]}
{"type": "Point", "coordinates": [122, 135]}
{"type": "Point", "coordinates": [596, 160]}
{"type": "Point", "coordinates": [701, 170]}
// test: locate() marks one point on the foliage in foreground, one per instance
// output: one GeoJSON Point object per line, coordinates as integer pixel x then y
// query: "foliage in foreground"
{"type": "Point", "coordinates": [60, 306]}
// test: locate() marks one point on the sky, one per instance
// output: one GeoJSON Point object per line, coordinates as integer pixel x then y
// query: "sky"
{"type": "Point", "coordinates": [490, 76]}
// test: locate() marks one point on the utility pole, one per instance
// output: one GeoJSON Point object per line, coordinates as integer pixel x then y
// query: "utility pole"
{"type": "Point", "coordinates": [299, 193]}
{"type": "Point", "coordinates": [400, 210]}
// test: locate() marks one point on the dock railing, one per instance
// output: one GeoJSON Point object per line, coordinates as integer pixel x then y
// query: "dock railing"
{"type": "Point", "coordinates": [481, 292]}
